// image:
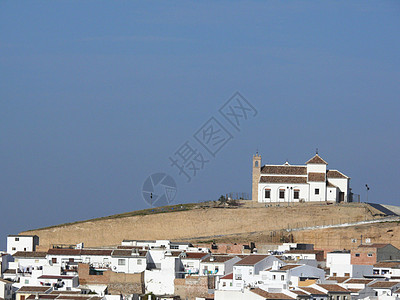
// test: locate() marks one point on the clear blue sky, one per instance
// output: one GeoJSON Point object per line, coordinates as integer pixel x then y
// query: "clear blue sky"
{"type": "Point", "coordinates": [96, 95]}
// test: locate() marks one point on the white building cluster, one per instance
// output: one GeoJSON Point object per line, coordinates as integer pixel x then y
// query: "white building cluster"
{"type": "Point", "coordinates": [177, 270]}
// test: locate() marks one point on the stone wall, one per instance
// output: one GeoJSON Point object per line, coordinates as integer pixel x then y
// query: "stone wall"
{"type": "Point", "coordinates": [117, 282]}
{"type": "Point", "coordinates": [192, 287]}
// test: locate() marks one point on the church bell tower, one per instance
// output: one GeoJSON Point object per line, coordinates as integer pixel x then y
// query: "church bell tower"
{"type": "Point", "coordinates": [256, 176]}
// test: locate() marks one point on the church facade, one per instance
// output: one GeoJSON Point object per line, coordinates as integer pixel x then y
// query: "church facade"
{"type": "Point", "coordinates": [299, 183]}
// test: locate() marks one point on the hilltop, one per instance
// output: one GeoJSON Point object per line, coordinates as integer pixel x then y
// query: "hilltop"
{"type": "Point", "coordinates": [206, 221]}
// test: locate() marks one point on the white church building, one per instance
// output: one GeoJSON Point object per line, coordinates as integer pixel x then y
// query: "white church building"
{"type": "Point", "coordinates": [299, 183]}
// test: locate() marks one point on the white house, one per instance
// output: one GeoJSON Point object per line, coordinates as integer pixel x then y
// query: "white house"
{"type": "Point", "coordinates": [60, 282]}
{"type": "Point", "coordinates": [61, 257]}
{"type": "Point", "coordinates": [389, 269]}
{"type": "Point", "coordinates": [128, 261]}
{"type": "Point", "coordinates": [339, 263]}
{"type": "Point", "coordinates": [385, 288]}
{"type": "Point", "coordinates": [284, 276]}
{"type": "Point", "coordinates": [253, 294]}
{"type": "Point", "coordinates": [6, 290]}
{"type": "Point", "coordinates": [218, 265]}
{"type": "Point", "coordinates": [5, 259]}
{"type": "Point", "coordinates": [17, 243]}
{"type": "Point", "coordinates": [246, 272]}
{"type": "Point", "coordinates": [165, 266]}
{"type": "Point", "coordinates": [299, 183]}
{"type": "Point", "coordinates": [191, 261]}
{"type": "Point", "coordinates": [29, 259]}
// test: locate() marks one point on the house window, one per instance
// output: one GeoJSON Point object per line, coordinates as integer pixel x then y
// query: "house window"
{"type": "Point", "coordinates": [282, 277]}
{"type": "Point", "coordinates": [16, 239]}
{"type": "Point", "coordinates": [273, 277]}
{"type": "Point", "coordinates": [13, 248]}
{"type": "Point", "coordinates": [296, 194]}
{"type": "Point", "coordinates": [370, 254]}
{"type": "Point", "coordinates": [357, 254]}
{"type": "Point", "coordinates": [268, 194]}
{"type": "Point", "coordinates": [36, 261]}
{"type": "Point", "coordinates": [139, 261]}
{"type": "Point", "coordinates": [346, 274]}
{"type": "Point", "coordinates": [54, 260]}
{"type": "Point", "coordinates": [174, 247]}
{"type": "Point", "coordinates": [256, 164]}
{"type": "Point", "coordinates": [70, 260]}
{"type": "Point", "coordinates": [121, 262]}
{"type": "Point", "coordinates": [224, 283]}
{"type": "Point", "coordinates": [316, 191]}
{"type": "Point", "coordinates": [281, 194]}
{"type": "Point", "coordinates": [334, 274]}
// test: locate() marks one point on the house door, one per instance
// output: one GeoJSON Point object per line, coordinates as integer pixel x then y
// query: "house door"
{"type": "Point", "coordinates": [341, 196]}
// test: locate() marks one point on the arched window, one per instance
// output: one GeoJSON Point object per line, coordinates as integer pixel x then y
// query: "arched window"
{"type": "Point", "coordinates": [256, 164]}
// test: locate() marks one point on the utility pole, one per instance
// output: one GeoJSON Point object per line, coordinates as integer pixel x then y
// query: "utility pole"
{"type": "Point", "coordinates": [367, 187]}
{"type": "Point", "coordinates": [151, 200]}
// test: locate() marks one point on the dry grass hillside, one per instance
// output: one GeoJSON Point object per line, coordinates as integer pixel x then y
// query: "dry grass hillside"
{"type": "Point", "coordinates": [200, 222]}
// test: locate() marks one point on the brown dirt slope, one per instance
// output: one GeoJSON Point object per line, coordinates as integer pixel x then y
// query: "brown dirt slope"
{"type": "Point", "coordinates": [199, 222]}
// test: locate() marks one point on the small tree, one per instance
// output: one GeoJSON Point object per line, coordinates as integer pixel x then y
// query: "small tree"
{"type": "Point", "coordinates": [222, 200]}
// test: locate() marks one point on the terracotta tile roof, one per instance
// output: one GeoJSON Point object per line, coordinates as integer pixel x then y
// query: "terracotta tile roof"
{"type": "Point", "coordinates": [33, 289]}
{"type": "Point", "coordinates": [335, 174]}
{"type": "Point", "coordinates": [376, 245]}
{"type": "Point", "coordinates": [6, 281]}
{"type": "Point", "coordinates": [330, 184]}
{"type": "Point", "coordinates": [21, 235]}
{"type": "Point", "coordinates": [42, 296]}
{"type": "Point", "coordinates": [55, 277]}
{"type": "Point", "coordinates": [251, 260]}
{"type": "Point", "coordinates": [127, 253]}
{"type": "Point", "coordinates": [267, 295]}
{"type": "Point", "coordinates": [316, 160]}
{"type": "Point", "coordinates": [98, 252]}
{"type": "Point", "coordinates": [228, 276]}
{"type": "Point", "coordinates": [289, 267]}
{"type": "Point", "coordinates": [300, 293]}
{"type": "Point", "coordinates": [217, 258]}
{"type": "Point", "coordinates": [354, 290]}
{"type": "Point", "coordinates": [58, 251]}
{"type": "Point", "coordinates": [384, 284]}
{"type": "Point", "coordinates": [131, 247]}
{"type": "Point", "coordinates": [320, 177]}
{"type": "Point", "coordinates": [359, 280]}
{"type": "Point", "coordinates": [397, 292]}
{"type": "Point", "coordinates": [75, 297]}
{"type": "Point", "coordinates": [66, 292]}
{"type": "Point", "coordinates": [284, 170]}
{"type": "Point", "coordinates": [313, 291]}
{"type": "Point", "coordinates": [305, 251]}
{"type": "Point", "coordinates": [194, 255]}
{"type": "Point", "coordinates": [338, 279]}
{"type": "Point", "coordinates": [175, 253]}
{"type": "Point", "coordinates": [334, 288]}
{"type": "Point", "coordinates": [388, 264]}
{"type": "Point", "coordinates": [283, 179]}
{"type": "Point", "coordinates": [30, 254]}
